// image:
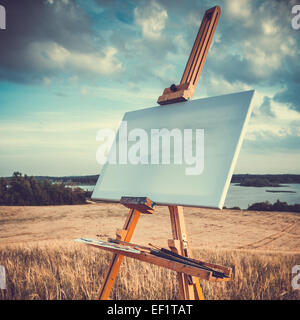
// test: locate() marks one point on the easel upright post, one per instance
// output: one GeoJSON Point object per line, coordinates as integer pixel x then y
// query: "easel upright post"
{"type": "Point", "coordinates": [189, 287]}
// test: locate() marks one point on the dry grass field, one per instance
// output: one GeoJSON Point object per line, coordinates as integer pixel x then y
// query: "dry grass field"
{"type": "Point", "coordinates": [43, 262]}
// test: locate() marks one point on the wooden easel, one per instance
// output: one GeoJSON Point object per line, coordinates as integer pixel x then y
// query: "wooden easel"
{"type": "Point", "coordinates": [189, 286]}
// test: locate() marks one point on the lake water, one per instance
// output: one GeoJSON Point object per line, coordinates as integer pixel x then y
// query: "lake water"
{"type": "Point", "coordinates": [244, 196]}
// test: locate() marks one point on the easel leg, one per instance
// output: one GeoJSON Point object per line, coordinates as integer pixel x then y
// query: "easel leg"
{"type": "Point", "coordinates": [189, 287]}
{"type": "Point", "coordinates": [125, 235]}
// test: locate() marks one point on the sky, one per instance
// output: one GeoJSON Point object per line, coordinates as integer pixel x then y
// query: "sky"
{"type": "Point", "coordinates": [71, 67]}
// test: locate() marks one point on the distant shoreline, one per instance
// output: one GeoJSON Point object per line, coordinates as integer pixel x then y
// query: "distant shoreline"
{"type": "Point", "coordinates": [247, 180]}
{"type": "Point", "coordinates": [281, 191]}
{"type": "Point", "coordinates": [262, 185]}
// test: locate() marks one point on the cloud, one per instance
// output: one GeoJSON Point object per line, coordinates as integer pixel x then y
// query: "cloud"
{"type": "Point", "coordinates": [132, 96]}
{"type": "Point", "coordinates": [274, 123]}
{"type": "Point", "coordinates": [44, 37]}
{"type": "Point", "coordinates": [47, 81]}
{"type": "Point", "coordinates": [266, 108]}
{"type": "Point", "coordinates": [53, 127]}
{"type": "Point", "coordinates": [213, 85]}
{"type": "Point", "coordinates": [258, 161]}
{"type": "Point", "coordinates": [151, 18]}
{"type": "Point", "coordinates": [147, 49]}
{"type": "Point", "coordinates": [261, 49]}
{"type": "Point", "coordinates": [265, 54]}
{"type": "Point", "coordinates": [290, 94]}
{"type": "Point", "coordinates": [76, 46]}
{"type": "Point", "coordinates": [50, 55]}
{"type": "Point", "coordinates": [238, 9]}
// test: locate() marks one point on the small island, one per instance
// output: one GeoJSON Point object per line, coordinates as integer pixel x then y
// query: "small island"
{"type": "Point", "coordinates": [281, 191]}
{"type": "Point", "coordinates": [264, 180]}
{"type": "Point", "coordinates": [258, 182]}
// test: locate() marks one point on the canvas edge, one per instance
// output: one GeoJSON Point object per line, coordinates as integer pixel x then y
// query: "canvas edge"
{"type": "Point", "coordinates": [101, 174]}
{"type": "Point", "coordinates": [237, 151]}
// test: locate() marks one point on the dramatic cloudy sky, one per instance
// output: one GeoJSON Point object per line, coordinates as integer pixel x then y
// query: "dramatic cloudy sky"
{"type": "Point", "coordinates": [71, 67]}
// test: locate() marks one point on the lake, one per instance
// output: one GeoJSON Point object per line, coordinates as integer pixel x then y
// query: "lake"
{"type": "Point", "coordinates": [244, 196]}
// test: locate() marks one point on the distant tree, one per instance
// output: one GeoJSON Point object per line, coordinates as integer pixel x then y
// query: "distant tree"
{"type": "Point", "coordinates": [277, 206]}
{"type": "Point", "coordinates": [23, 190]}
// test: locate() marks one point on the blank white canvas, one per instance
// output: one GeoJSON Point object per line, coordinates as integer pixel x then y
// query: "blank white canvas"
{"type": "Point", "coordinates": [223, 118]}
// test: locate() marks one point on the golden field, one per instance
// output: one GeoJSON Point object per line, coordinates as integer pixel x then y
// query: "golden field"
{"type": "Point", "coordinates": [43, 262]}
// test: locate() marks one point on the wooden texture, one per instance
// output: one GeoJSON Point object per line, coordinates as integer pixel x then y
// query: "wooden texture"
{"type": "Point", "coordinates": [117, 259]}
{"type": "Point", "coordinates": [189, 288]}
{"type": "Point", "coordinates": [201, 46]}
{"type": "Point", "coordinates": [185, 90]}
{"type": "Point", "coordinates": [142, 204]}
{"type": "Point", "coordinates": [146, 256]}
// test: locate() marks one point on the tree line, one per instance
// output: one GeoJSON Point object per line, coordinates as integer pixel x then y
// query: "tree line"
{"type": "Point", "coordinates": [78, 180]}
{"type": "Point", "coordinates": [22, 190]}
{"type": "Point", "coordinates": [267, 206]}
{"type": "Point", "coordinates": [277, 206]}
{"type": "Point", "coordinates": [265, 179]}
{"type": "Point", "coordinates": [254, 180]}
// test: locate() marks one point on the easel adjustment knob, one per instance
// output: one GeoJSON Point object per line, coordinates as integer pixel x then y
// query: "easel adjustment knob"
{"type": "Point", "coordinates": [173, 87]}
